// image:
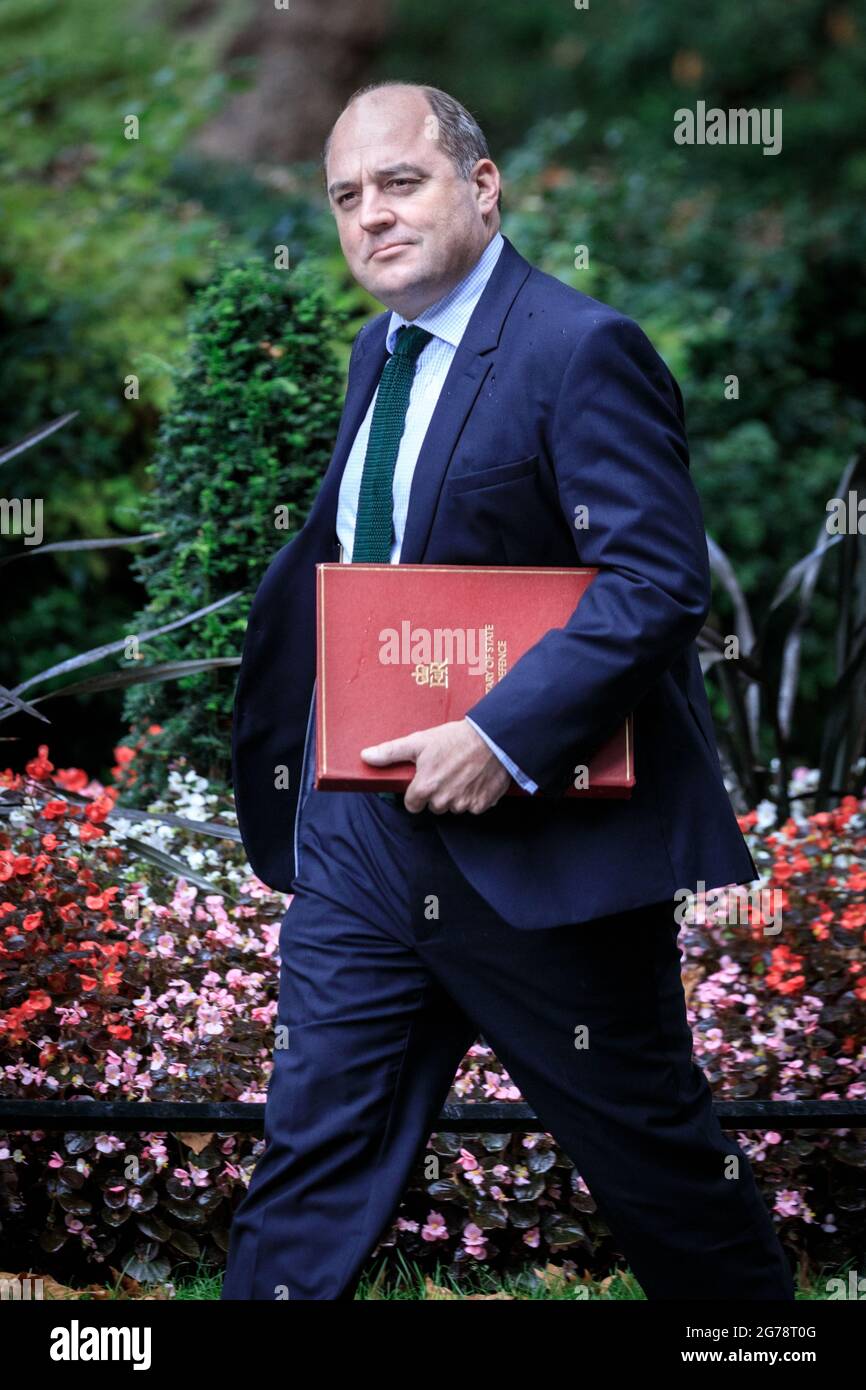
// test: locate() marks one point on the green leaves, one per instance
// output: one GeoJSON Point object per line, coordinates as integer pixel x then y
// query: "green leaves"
{"type": "Point", "coordinates": [250, 428]}
{"type": "Point", "coordinates": [756, 687]}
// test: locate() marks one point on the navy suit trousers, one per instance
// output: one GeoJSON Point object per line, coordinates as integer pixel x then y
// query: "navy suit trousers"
{"type": "Point", "coordinates": [391, 966]}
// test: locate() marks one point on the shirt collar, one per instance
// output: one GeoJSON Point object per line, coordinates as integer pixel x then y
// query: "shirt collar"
{"type": "Point", "coordinates": [448, 317]}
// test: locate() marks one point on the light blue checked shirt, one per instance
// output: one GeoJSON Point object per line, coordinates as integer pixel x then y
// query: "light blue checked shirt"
{"type": "Point", "coordinates": [446, 320]}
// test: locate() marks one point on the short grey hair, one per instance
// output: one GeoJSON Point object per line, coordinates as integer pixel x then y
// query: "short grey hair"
{"type": "Point", "coordinates": [459, 134]}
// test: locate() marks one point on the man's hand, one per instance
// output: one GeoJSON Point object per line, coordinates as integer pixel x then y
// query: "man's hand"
{"type": "Point", "coordinates": [455, 770]}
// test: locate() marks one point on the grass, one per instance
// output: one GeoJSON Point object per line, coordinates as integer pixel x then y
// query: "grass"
{"type": "Point", "coordinates": [396, 1279]}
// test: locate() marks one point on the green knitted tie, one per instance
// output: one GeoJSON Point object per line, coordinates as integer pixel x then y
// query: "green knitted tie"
{"type": "Point", "coordinates": [374, 525]}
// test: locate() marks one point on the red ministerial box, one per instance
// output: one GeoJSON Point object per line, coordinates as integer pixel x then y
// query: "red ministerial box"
{"type": "Point", "coordinates": [391, 658]}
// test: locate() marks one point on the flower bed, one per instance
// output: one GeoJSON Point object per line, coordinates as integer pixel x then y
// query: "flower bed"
{"type": "Point", "coordinates": [124, 979]}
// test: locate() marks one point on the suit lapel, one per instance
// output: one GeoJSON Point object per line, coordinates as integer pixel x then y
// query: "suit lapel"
{"type": "Point", "coordinates": [472, 361]}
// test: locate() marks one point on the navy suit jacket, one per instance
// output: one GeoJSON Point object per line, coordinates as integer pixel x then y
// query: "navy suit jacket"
{"type": "Point", "coordinates": [553, 401]}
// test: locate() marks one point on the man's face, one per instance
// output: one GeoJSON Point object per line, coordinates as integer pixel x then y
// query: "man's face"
{"type": "Point", "coordinates": [409, 225]}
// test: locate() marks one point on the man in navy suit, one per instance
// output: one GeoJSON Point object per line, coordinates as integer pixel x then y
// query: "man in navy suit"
{"type": "Point", "coordinates": [493, 415]}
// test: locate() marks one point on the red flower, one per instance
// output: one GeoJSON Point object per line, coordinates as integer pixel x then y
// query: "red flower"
{"type": "Point", "coordinates": [124, 755]}
{"type": "Point", "coordinates": [98, 810]}
{"type": "Point", "coordinates": [39, 767]}
{"type": "Point", "coordinates": [114, 949]}
{"type": "Point", "coordinates": [50, 841]}
{"type": "Point", "coordinates": [53, 809]}
{"type": "Point", "coordinates": [71, 779]}
{"type": "Point", "coordinates": [101, 902]}
{"type": "Point", "coordinates": [782, 871]}
{"type": "Point", "coordinates": [90, 832]}
{"type": "Point", "coordinates": [792, 985]}
{"type": "Point", "coordinates": [121, 1030]}
{"type": "Point", "coordinates": [32, 921]}
{"type": "Point", "coordinates": [781, 976]}
{"type": "Point", "coordinates": [20, 864]}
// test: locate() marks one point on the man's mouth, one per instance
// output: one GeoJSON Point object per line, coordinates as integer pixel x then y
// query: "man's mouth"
{"type": "Point", "coordinates": [389, 249]}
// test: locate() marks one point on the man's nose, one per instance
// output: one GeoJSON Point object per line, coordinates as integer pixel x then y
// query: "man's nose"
{"type": "Point", "coordinates": [373, 210]}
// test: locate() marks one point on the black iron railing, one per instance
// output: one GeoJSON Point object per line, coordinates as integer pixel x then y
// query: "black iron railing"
{"type": "Point", "coordinates": [468, 1117]}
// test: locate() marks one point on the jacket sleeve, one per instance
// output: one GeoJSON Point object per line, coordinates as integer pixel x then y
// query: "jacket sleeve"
{"type": "Point", "coordinates": [619, 451]}
{"type": "Point", "coordinates": [517, 773]}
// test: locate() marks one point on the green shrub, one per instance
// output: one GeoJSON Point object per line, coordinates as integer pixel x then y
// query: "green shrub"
{"type": "Point", "coordinates": [240, 454]}
{"type": "Point", "coordinates": [98, 260]}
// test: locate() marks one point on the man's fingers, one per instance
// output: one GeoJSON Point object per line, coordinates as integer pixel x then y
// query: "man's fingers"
{"type": "Point", "coordinates": [398, 750]}
{"type": "Point", "coordinates": [418, 793]}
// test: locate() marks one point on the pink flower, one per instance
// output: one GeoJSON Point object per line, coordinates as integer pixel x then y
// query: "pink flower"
{"type": "Point", "coordinates": [109, 1143]}
{"type": "Point", "coordinates": [790, 1203]}
{"type": "Point", "coordinates": [475, 1240]}
{"type": "Point", "coordinates": [434, 1228]}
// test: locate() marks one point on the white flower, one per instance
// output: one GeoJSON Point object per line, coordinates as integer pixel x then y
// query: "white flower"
{"type": "Point", "coordinates": [766, 812]}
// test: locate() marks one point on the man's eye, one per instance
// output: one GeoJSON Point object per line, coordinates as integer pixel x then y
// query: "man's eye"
{"type": "Point", "coordinates": [391, 182]}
